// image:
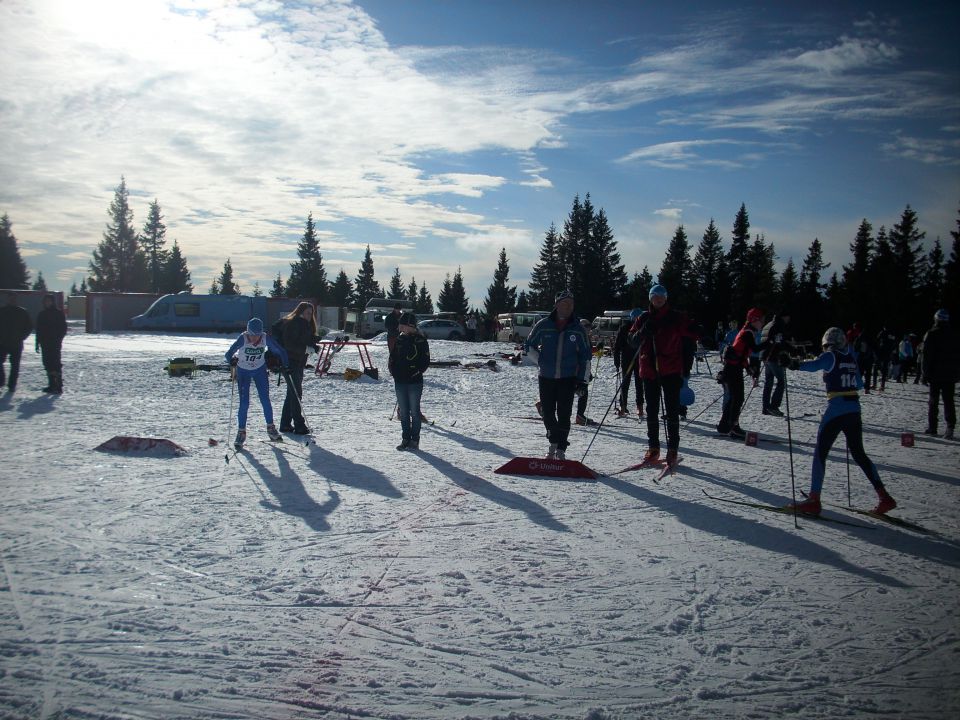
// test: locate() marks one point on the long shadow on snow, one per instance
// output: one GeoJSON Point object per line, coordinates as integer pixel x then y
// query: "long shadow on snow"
{"type": "Point", "coordinates": [755, 532]}
{"type": "Point", "coordinates": [37, 406]}
{"type": "Point", "coordinates": [942, 550]}
{"type": "Point", "coordinates": [346, 472]}
{"type": "Point", "coordinates": [291, 495]}
{"type": "Point", "coordinates": [537, 513]}
{"type": "Point", "coordinates": [469, 442]}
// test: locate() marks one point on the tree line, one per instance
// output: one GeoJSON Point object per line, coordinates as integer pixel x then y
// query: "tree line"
{"type": "Point", "coordinates": [892, 279]}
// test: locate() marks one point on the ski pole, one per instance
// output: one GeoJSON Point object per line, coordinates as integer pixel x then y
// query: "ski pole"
{"type": "Point", "coordinates": [233, 385]}
{"type": "Point", "coordinates": [616, 394]}
{"type": "Point", "coordinates": [849, 504]}
{"type": "Point", "coordinates": [714, 402]}
{"type": "Point", "coordinates": [793, 485]}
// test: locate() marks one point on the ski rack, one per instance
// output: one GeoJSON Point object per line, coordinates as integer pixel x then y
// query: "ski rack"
{"type": "Point", "coordinates": [329, 349]}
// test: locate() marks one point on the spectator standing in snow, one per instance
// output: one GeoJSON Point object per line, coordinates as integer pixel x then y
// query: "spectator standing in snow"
{"type": "Point", "coordinates": [409, 359]}
{"type": "Point", "coordinates": [905, 353]}
{"type": "Point", "coordinates": [15, 327]}
{"type": "Point", "coordinates": [299, 333]}
{"type": "Point", "coordinates": [729, 337]}
{"type": "Point", "coordinates": [736, 359]}
{"type": "Point", "coordinates": [247, 355]}
{"type": "Point", "coordinates": [886, 343]}
{"type": "Point", "coordinates": [51, 329]}
{"type": "Point", "coordinates": [392, 323]}
{"type": "Point", "coordinates": [471, 328]}
{"type": "Point", "coordinates": [563, 358]}
{"type": "Point", "coordinates": [941, 357]}
{"type": "Point", "coordinates": [658, 336]}
{"type": "Point", "coordinates": [625, 360]}
{"type": "Point", "coordinates": [584, 397]}
{"type": "Point", "coordinates": [866, 357]}
{"type": "Point", "coordinates": [774, 334]}
{"type": "Point", "coordinates": [842, 380]}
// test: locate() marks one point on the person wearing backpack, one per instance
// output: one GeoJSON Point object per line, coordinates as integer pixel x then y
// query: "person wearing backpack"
{"type": "Point", "coordinates": [298, 331]}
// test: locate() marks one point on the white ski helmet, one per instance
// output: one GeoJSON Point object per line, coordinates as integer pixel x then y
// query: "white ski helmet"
{"type": "Point", "coordinates": [834, 339]}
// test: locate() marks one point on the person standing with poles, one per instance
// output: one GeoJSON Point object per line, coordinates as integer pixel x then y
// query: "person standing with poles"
{"type": "Point", "coordinates": [774, 334]}
{"type": "Point", "coordinates": [736, 359]}
{"type": "Point", "coordinates": [563, 357]}
{"type": "Point", "coordinates": [15, 327]}
{"type": "Point", "coordinates": [940, 371]}
{"type": "Point", "coordinates": [298, 332]}
{"type": "Point", "coordinates": [409, 359]}
{"type": "Point", "coordinates": [51, 329]}
{"type": "Point", "coordinates": [841, 377]}
{"type": "Point", "coordinates": [658, 336]}
{"type": "Point", "coordinates": [248, 356]}
{"type": "Point", "coordinates": [625, 360]}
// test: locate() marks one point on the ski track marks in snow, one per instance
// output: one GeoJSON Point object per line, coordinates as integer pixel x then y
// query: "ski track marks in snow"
{"type": "Point", "coordinates": [347, 580]}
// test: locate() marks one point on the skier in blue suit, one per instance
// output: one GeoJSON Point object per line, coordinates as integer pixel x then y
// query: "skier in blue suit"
{"type": "Point", "coordinates": [841, 377]}
{"type": "Point", "coordinates": [247, 355]}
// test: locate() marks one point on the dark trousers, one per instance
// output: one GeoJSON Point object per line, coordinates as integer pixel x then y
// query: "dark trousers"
{"type": "Point", "coordinates": [941, 390]}
{"type": "Point", "coordinates": [880, 369]}
{"type": "Point", "coordinates": [633, 378]}
{"type": "Point", "coordinates": [14, 354]}
{"type": "Point", "coordinates": [773, 381]}
{"type": "Point", "coordinates": [851, 426]}
{"type": "Point", "coordinates": [556, 399]}
{"type": "Point", "coordinates": [292, 413]}
{"type": "Point", "coordinates": [733, 386]}
{"type": "Point", "coordinates": [669, 386]}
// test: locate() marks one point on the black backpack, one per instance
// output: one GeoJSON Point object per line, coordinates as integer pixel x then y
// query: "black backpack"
{"type": "Point", "coordinates": [276, 330]}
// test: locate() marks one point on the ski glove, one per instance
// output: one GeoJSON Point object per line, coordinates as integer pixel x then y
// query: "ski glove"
{"type": "Point", "coordinates": [581, 390]}
{"type": "Point", "coordinates": [234, 361]}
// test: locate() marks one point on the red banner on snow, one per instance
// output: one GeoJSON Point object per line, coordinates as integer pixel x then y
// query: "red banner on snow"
{"type": "Point", "coordinates": [548, 468]}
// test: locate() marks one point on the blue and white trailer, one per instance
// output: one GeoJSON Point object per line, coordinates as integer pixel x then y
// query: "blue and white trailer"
{"type": "Point", "coordinates": [211, 313]}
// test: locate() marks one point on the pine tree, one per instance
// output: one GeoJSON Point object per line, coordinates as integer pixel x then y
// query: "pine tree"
{"type": "Point", "coordinates": [119, 264]}
{"type": "Point", "coordinates": [677, 270]}
{"type": "Point", "coordinates": [811, 292]}
{"type": "Point", "coordinates": [341, 291]}
{"type": "Point", "coordinates": [764, 274]}
{"type": "Point", "coordinates": [933, 281]}
{"type": "Point", "coordinates": [13, 271]}
{"type": "Point", "coordinates": [152, 240]}
{"type": "Point", "coordinates": [453, 297]}
{"type": "Point", "coordinates": [397, 291]}
{"type": "Point", "coordinates": [523, 304]}
{"type": "Point", "coordinates": [951, 277]}
{"type": "Point", "coordinates": [257, 291]}
{"type": "Point", "coordinates": [881, 279]}
{"type": "Point", "coordinates": [279, 289]}
{"type": "Point", "coordinates": [176, 275]}
{"type": "Point", "coordinates": [365, 286]}
{"type": "Point", "coordinates": [411, 294]}
{"type": "Point", "coordinates": [905, 242]}
{"type": "Point", "coordinates": [854, 297]}
{"type": "Point", "coordinates": [711, 299]}
{"type": "Point", "coordinates": [789, 288]}
{"type": "Point", "coordinates": [738, 270]}
{"type": "Point", "coordinates": [547, 278]}
{"type": "Point", "coordinates": [39, 283]}
{"type": "Point", "coordinates": [424, 301]}
{"type": "Point", "coordinates": [613, 283]}
{"type": "Point", "coordinates": [225, 284]}
{"type": "Point", "coordinates": [639, 289]}
{"type": "Point", "coordinates": [308, 278]}
{"type": "Point", "coordinates": [501, 297]}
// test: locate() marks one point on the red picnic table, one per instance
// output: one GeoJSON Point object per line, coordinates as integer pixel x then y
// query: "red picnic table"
{"type": "Point", "coordinates": [330, 348]}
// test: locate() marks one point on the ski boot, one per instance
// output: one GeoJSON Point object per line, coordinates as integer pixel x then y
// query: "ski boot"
{"type": "Point", "coordinates": [552, 452]}
{"type": "Point", "coordinates": [404, 445]}
{"type": "Point", "coordinates": [810, 506]}
{"type": "Point", "coordinates": [622, 412]}
{"type": "Point", "coordinates": [651, 456]}
{"type": "Point", "coordinates": [413, 445]}
{"type": "Point", "coordinates": [539, 406]}
{"type": "Point", "coordinates": [886, 503]}
{"type": "Point", "coordinates": [948, 434]}
{"type": "Point", "coordinates": [672, 458]}
{"type": "Point", "coordinates": [275, 436]}
{"type": "Point", "coordinates": [737, 432]}
{"type": "Point", "coordinates": [581, 420]}
{"type": "Point", "coordinates": [560, 455]}
{"type": "Point", "coordinates": [240, 439]}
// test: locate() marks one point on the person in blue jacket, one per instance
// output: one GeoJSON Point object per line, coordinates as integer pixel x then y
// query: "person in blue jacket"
{"type": "Point", "coordinates": [841, 376]}
{"type": "Point", "coordinates": [563, 350]}
{"type": "Point", "coordinates": [247, 356]}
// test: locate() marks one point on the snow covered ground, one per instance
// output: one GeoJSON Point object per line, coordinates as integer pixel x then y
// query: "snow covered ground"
{"type": "Point", "coordinates": [348, 580]}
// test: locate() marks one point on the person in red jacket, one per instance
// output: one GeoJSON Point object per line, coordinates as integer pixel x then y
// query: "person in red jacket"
{"type": "Point", "coordinates": [736, 358]}
{"type": "Point", "coordinates": [658, 335]}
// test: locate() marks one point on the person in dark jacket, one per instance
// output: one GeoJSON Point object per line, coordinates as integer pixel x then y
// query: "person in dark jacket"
{"type": "Point", "coordinates": [392, 323]}
{"type": "Point", "coordinates": [299, 333]}
{"type": "Point", "coordinates": [885, 344]}
{"type": "Point", "coordinates": [51, 329]}
{"type": "Point", "coordinates": [774, 376]}
{"type": "Point", "coordinates": [625, 360]}
{"type": "Point", "coordinates": [736, 358]}
{"type": "Point", "coordinates": [658, 336]}
{"type": "Point", "coordinates": [15, 327]}
{"type": "Point", "coordinates": [940, 371]}
{"type": "Point", "coordinates": [563, 354]}
{"type": "Point", "coordinates": [409, 359]}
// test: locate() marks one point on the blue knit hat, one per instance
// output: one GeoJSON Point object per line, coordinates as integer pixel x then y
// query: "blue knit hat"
{"type": "Point", "coordinates": [255, 326]}
{"type": "Point", "coordinates": [658, 290]}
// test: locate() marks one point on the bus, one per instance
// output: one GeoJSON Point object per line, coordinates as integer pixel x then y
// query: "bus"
{"type": "Point", "coordinates": [514, 327]}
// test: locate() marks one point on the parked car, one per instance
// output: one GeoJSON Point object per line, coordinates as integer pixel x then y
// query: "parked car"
{"type": "Point", "coordinates": [442, 329]}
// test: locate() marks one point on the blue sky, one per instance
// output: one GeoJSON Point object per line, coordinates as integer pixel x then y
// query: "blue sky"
{"type": "Point", "coordinates": [439, 131]}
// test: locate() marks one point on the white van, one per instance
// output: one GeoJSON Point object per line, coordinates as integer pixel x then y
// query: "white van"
{"type": "Point", "coordinates": [606, 326]}
{"type": "Point", "coordinates": [514, 327]}
{"type": "Point", "coordinates": [371, 321]}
